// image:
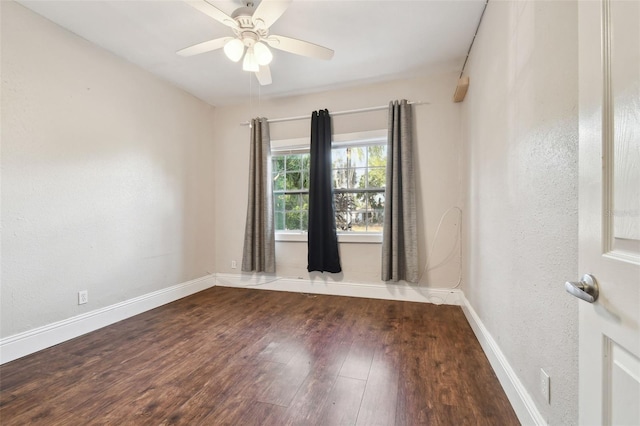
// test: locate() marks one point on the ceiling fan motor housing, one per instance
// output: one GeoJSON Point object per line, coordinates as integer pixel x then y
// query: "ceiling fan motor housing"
{"type": "Point", "coordinates": [243, 16]}
{"type": "Point", "coordinates": [249, 38]}
{"type": "Point", "coordinates": [248, 31]}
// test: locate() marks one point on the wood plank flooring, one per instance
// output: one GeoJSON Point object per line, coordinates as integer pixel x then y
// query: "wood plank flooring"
{"type": "Point", "coordinates": [252, 357]}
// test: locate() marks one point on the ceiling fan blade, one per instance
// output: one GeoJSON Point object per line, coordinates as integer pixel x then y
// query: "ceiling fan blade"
{"type": "Point", "coordinates": [268, 11]}
{"type": "Point", "coordinates": [264, 75]}
{"type": "Point", "coordinates": [203, 47]}
{"type": "Point", "coordinates": [212, 11]}
{"type": "Point", "coordinates": [299, 47]}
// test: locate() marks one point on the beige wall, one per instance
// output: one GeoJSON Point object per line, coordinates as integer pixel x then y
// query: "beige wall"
{"type": "Point", "coordinates": [109, 176]}
{"type": "Point", "coordinates": [521, 131]}
{"type": "Point", "coordinates": [438, 160]}
{"type": "Point", "coordinates": [115, 182]}
{"type": "Point", "coordinates": [105, 180]}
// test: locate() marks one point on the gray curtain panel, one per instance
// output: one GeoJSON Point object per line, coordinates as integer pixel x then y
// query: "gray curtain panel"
{"type": "Point", "coordinates": [400, 234]}
{"type": "Point", "coordinates": [259, 253]}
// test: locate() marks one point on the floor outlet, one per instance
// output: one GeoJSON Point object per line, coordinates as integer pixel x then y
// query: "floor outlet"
{"type": "Point", "coordinates": [545, 386]}
{"type": "Point", "coordinates": [83, 297]}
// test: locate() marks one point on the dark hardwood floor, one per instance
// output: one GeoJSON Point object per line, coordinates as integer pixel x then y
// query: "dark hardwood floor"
{"type": "Point", "coordinates": [253, 357]}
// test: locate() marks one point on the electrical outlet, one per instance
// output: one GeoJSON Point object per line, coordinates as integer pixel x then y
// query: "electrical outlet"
{"type": "Point", "coordinates": [83, 297]}
{"type": "Point", "coordinates": [545, 386]}
{"type": "Point", "coordinates": [233, 264]}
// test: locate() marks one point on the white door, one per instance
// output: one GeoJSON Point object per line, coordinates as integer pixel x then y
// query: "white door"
{"type": "Point", "coordinates": [609, 88]}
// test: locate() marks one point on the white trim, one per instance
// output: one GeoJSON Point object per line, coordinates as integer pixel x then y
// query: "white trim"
{"type": "Point", "coordinates": [345, 237]}
{"type": "Point", "coordinates": [295, 144]}
{"type": "Point", "coordinates": [520, 399]}
{"type": "Point", "coordinates": [291, 236]}
{"type": "Point", "coordinates": [360, 237]}
{"type": "Point", "coordinates": [324, 285]}
{"type": "Point", "coordinates": [28, 342]}
{"type": "Point", "coordinates": [364, 137]}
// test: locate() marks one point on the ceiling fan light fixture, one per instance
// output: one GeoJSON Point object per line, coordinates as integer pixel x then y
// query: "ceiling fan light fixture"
{"type": "Point", "coordinates": [234, 49]}
{"type": "Point", "coordinates": [262, 53]}
{"type": "Point", "coordinates": [250, 27]}
{"type": "Point", "coordinates": [250, 63]}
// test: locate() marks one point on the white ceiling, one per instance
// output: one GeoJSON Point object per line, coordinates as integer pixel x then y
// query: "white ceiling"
{"type": "Point", "coordinates": [373, 41]}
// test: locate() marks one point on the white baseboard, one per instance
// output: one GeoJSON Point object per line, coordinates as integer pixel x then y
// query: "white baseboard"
{"type": "Point", "coordinates": [520, 399]}
{"type": "Point", "coordinates": [22, 344]}
{"type": "Point", "coordinates": [394, 291]}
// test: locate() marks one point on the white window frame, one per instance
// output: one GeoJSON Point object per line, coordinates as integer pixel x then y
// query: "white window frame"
{"type": "Point", "coordinates": [284, 146]}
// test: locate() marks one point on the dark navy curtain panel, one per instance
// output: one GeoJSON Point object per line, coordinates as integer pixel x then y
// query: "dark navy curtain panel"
{"type": "Point", "coordinates": [323, 253]}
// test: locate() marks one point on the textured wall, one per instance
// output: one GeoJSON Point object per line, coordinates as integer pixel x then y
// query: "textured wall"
{"type": "Point", "coordinates": [521, 131]}
{"type": "Point", "coordinates": [438, 161]}
{"type": "Point", "coordinates": [106, 184]}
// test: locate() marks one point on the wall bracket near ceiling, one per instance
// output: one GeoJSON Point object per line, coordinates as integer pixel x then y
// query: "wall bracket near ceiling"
{"type": "Point", "coordinates": [463, 83]}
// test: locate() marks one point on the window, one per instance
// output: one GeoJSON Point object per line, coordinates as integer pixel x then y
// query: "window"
{"type": "Point", "coordinates": [291, 191]}
{"type": "Point", "coordinates": [359, 175]}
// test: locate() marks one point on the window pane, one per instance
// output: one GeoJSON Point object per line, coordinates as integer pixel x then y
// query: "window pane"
{"type": "Point", "coordinates": [377, 177]}
{"type": "Point", "coordinates": [305, 179]}
{"type": "Point", "coordinates": [278, 182]}
{"type": "Point", "coordinates": [340, 178]}
{"type": "Point", "coordinates": [362, 213]}
{"type": "Point", "coordinates": [292, 202]}
{"type": "Point", "coordinates": [305, 161]}
{"type": "Point", "coordinates": [292, 220]}
{"type": "Point", "coordinates": [345, 207]}
{"type": "Point", "coordinates": [348, 178]}
{"type": "Point", "coordinates": [357, 156]}
{"type": "Point", "coordinates": [377, 200]}
{"type": "Point", "coordinates": [376, 206]}
{"type": "Point", "coordinates": [377, 156]}
{"type": "Point", "coordinates": [294, 180]}
{"type": "Point", "coordinates": [355, 175]}
{"type": "Point", "coordinates": [339, 157]}
{"type": "Point", "coordinates": [360, 200]}
{"type": "Point", "coordinates": [279, 221]}
{"type": "Point", "coordinates": [278, 163]}
{"type": "Point", "coordinates": [279, 202]}
{"type": "Point", "coordinates": [293, 162]}
{"type": "Point", "coordinates": [304, 219]}
{"type": "Point", "coordinates": [359, 178]}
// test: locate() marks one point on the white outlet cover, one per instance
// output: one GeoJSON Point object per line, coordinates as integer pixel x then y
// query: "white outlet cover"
{"type": "Point", "coordinates": [545, 385]}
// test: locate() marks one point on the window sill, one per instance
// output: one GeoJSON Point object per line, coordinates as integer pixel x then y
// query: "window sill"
{"type": "Point", "coordinates": [373, 238]}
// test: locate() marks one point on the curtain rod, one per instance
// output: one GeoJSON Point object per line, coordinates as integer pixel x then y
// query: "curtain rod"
{"type": "Point", "coordinates": [351, 111]}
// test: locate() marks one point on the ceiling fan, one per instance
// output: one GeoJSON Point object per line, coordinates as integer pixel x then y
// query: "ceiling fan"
{"type": "Point", "coordinates": [251, 29]}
